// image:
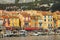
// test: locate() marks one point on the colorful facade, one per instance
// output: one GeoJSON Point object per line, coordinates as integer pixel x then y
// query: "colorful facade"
{"type": "Point", "coordinates": [41, 19]}
{"type": "Point", "coordinates": [57, 18]}
{"type": "Point", "coordinates": [31, 18]}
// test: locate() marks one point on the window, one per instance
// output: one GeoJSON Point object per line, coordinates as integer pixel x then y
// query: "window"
{"type": "Point", "coordinates": [44, 17]}
{"type": "Point", "coordinates": [49, 16]}
{"type": "Point", "coordinates": [49, 25]}
{"type": "Point", "coordinates": [28, 18]}
{"type": "Point", "coordinates": [40, 24]}
{"type": "Point", "coordinates": [1, 22]}
{"type": "Point", "coordinates": [26, 24]}
{"type": "Point", "coordinates": [49, 20]}
{"type": "Point", "coordinates": [39, 17]}
{"type": "Point", "coordinates": [39, 20]}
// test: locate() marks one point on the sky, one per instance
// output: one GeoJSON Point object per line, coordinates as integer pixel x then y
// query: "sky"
{"type": "Point", "coordinates": [7, 1]}
{"type": "Point", "coordinates": [13, 1]}
{"type": "Point", "coordinates": [25, 1]}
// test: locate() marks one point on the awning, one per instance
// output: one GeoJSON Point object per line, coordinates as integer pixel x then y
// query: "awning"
{"type": "Point", "coordinates": [31, 28]}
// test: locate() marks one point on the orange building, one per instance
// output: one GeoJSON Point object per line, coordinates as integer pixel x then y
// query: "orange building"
{"type": "Point", "coordinates": [57, 18]}
{"type": "Point", "coordinates": [31, 18]}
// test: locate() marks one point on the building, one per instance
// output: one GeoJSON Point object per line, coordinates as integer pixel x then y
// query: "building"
{"type": "Point", "coordinates": [41, 19]}
{"type": "Point", "coordinates": [57, 18]}
{"type": "Point", "coordinates": [48, 22]}
{"type": "Point", "coordinates": [31, 19]}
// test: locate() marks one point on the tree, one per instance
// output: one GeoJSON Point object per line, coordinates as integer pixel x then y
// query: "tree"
{"type": "Point", "coordinates": [16, 1]}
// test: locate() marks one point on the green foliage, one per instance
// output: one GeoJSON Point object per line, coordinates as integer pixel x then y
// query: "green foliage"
{"type": "Point", "coordinates": [16, 1]}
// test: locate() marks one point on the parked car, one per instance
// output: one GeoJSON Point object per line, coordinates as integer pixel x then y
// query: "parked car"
{"type": "Point", "coordinates": [15, 33]}
{"type": "Point", "coordinates": [51, 33]}
{"type": "Point", "coordinates": [8, 33]}
{"type": "Point", "coordinates": [2, 29]}
{"type": "Point", "coordinates": [1, 34]}
{"type": "Point", "coordinates": [58, 30]}
{"type": "Point", "coordinates": [34, 34]}
{"type": "Point", "coordinates": [23, 33]}
{"type": "Point", "coordinates": [45, 32]}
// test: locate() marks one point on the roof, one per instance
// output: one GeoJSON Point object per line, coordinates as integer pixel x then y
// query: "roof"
{"type": "Point", "coordinates": [13, 17]}
{"type": "Point", "coordinates": [4, 16]}
{"type": "Point", "coordinates": [10, 17]}
{"type": "Point", "coordinates": [44, 13]}
{"type": "Point", "coordinates": [25, 14]}
{"type": "Point", "coordinates": [58, 12]}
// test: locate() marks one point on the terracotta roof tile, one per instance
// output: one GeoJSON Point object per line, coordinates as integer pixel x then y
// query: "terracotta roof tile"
{"type": "Point", "coordinates": [25, 14]}
{"type": "Point", "coordinates": [44, 13]}
{"type": "Point", "coordinates": [13, 17]}
{"type": "Point", "coordinates": [4, 16]}
{"type": "Point", "coordinates": [57, 12]}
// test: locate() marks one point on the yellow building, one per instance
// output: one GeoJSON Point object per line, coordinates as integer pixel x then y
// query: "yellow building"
{"type": "Point", "coordinates": [41, 19]}
{"type": "Point", "coordinates": [58, 23]}
{"type": "Point", "coordinates": [14, 22]}
{"type": "Point", "coordinates": [48, 22]}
